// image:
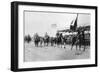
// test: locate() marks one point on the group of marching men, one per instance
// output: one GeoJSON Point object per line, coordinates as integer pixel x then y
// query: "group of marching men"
{"type": "Point", "coordinates": [59, 40]}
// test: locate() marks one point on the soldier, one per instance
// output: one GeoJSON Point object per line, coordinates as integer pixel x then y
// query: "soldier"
{"type": "Point", "coordinates": [80, 39]}
{"type": "Point", "coordinates": [74, 41]}
{"type": "Point", "coordinates": [46, 35]}
{"type": "Point", "coordinates": [83, 39]}
{"type": "Point", "coordinates": [28, 38]}
{"type": "Point", "coordinates": [46, 39]}
{"type": "Point", "coordinates": [36, 39]}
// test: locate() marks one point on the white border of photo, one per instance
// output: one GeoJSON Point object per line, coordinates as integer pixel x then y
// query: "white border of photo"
{"type": "Point", "coordinates": [22, 64]}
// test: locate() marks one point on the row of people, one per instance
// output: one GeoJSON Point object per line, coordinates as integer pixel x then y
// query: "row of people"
{"type": "Point", "coordinates": [59, 40]}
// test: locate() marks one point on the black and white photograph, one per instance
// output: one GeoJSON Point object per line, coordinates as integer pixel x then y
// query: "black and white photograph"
{"type": "Point", "coordinates": [52, 36]}
{"type": "Point", "coordinates": [56, 36]}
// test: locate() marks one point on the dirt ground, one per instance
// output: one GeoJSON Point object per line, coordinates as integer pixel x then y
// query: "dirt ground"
{"type": "Point", "coordinates": [32, 53]}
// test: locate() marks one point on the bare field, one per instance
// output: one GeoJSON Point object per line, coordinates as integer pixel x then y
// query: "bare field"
{"type": "Point", "coordinates": [32, 53]}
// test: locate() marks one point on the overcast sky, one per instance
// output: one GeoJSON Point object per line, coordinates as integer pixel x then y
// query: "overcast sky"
{"type": "Point", "coordinates": [42, 22]}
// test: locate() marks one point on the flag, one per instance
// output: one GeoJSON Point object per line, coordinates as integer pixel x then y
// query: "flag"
{"type": "Point", "coordinates": [73, 27]}
{"type": "Point", "coordinates": [75, 24]}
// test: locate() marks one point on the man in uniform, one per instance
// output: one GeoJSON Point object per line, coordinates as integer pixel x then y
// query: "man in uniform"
{"type": "Point", "coordinates": [46, 39]}
{"type": "Point", "coordinates": [36, 39]}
